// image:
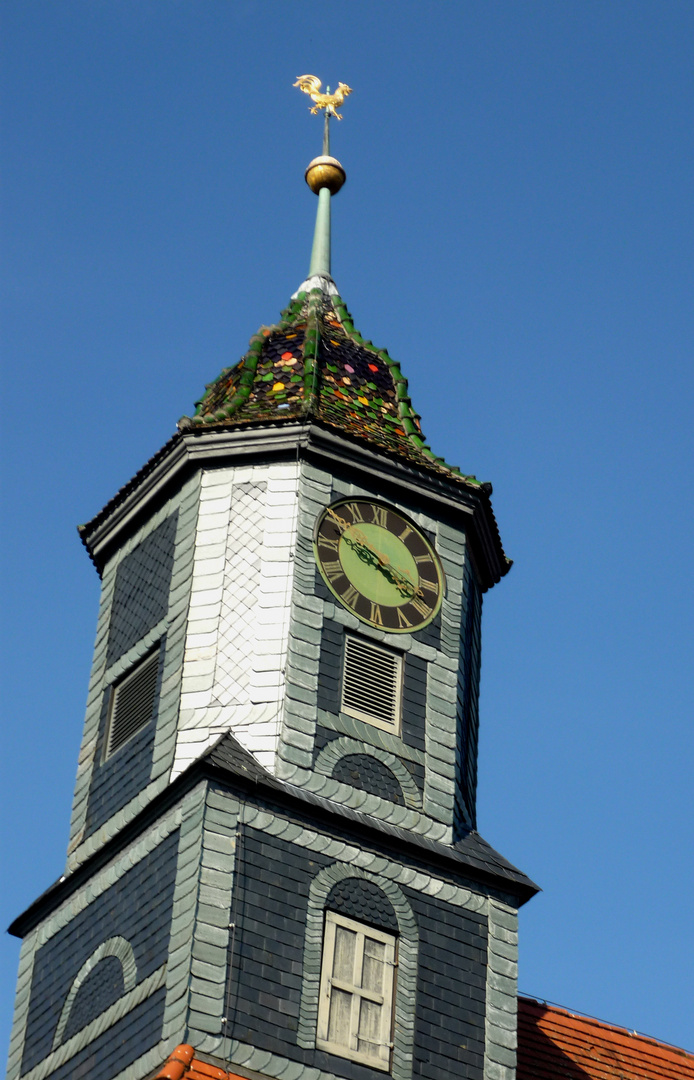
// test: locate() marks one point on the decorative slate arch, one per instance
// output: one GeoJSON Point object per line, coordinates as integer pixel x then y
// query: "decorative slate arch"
{"type": "Point", "coordinates": [118, 947]}
{"type": "Point", "coordinates": [336, 749]}
{"type": "Point", "coordinates": [406, 985]}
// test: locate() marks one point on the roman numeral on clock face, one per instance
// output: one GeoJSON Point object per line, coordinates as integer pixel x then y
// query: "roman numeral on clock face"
{"type": "Point", "coordinates": [421, 606]}
{"type": "Point", "coordinates": [380, 516]}
{"type": "Point", "coordinates": [349, 596]}
{"type": "Point", "coordinates": [376, 616]}
{"type": "Point", "coordinates": [403, 622]}
{"type": "Point", "coordinates": [353, 509]}
{"type": "Point", "coordinates": [328, 542]}
{"type": "Point", "coordinates": [333, 569]}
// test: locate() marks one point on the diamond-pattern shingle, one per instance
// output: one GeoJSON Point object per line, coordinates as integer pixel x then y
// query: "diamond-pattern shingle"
{"type": "Point", "coordinates": [238, 613]}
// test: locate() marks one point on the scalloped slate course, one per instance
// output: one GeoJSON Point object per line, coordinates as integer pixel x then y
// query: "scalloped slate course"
{"type": "Point", "coordinates": [363, 901]}
{"type": "Point", "coordinates": [366, 773]}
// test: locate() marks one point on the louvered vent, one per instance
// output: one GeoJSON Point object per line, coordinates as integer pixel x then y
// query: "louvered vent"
{"type": "Point", "coordinates": [372, 683]}
{"type": "Point", "coordinates": [132, 702]}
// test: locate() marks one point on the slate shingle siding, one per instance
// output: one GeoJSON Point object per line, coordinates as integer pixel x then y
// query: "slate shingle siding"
{"type": "Point", "coordinates": [323, 737]}
{"type": "Point", "coordinates": [263, 995]}
{"type": "Point", "coordinates": [414, 696]}
{"type": "Point", "coordinates": [451, 997]}
{"type": "Point", "coordinates": [431, 634]}
{"type": "Point", "coordinates": [368, 774]}
{"type": "Point", "coordinates": [416, 771]}
{"type": "Point", "coordinates": [123, 1043]}
{"type": "Point", "coordinates": [272, 886]}
{"type": "Point", "coordinates": [137, 907]}
{"type": "Point", "coordinates": [468, 715]}
{"type": "Point", "coordinates": [321, 589]}
{"type": "Point", "coordinates": [118, 779]}
{"type": "Point", "coordinates": [141, 592]}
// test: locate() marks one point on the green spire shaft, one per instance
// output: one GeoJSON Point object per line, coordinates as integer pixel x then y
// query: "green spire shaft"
{"type": "Point", "coordinates": [320, 253]}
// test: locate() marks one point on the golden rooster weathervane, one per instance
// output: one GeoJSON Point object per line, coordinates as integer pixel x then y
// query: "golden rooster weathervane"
{"type": "Point", "coordinates": [324, 175]}
{"type": "Point", "coordinates": [311, 85]}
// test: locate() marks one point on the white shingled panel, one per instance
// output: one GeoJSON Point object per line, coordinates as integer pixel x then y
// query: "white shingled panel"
{"type": "Point", "coordinates": [233, 673]}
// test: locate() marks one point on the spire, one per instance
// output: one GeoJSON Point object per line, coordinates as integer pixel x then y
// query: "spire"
{"type": "Point", "coordinates": [325, 176]}
{"type": "Point", "coordinates": [314, 365]}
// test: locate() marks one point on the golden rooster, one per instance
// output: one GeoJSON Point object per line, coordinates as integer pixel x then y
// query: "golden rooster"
{"type": "Point", "coordinates": [311, 86]}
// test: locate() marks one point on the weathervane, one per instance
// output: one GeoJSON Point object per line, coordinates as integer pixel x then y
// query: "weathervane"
{"type": "Point", "coordinates": [311, 85]}
{"type": "Point", "coordinates": [324, 175]}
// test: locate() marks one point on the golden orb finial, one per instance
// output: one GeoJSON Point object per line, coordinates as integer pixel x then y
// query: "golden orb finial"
{"type": "Point", "coordinates": [325, 171]}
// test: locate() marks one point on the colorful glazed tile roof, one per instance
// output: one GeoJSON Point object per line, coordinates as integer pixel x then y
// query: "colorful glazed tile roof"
{"type": "Point", "coordinates": [553, 1043]}
{"type": "Point", "coordinates": [315, 365]}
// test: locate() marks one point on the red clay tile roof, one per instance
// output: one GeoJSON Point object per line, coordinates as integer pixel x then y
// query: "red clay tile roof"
{"type": "Point", "coordinates": [315, 364]}
{"type": "Point", "coordinates": [553, 1044]}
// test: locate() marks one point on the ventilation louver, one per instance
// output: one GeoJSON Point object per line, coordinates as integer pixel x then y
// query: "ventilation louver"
{"type": "Point", "coordinates": [132, 702]}
{"type": "Point", "coordinates": [372, 683]}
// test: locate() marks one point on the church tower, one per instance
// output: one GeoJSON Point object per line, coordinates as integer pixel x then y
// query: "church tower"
{"type": "Point", "coordinates": [273, 870]}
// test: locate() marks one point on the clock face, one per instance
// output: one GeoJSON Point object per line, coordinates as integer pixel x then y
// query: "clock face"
{"type": "Point", "coordinates": [378, 564]}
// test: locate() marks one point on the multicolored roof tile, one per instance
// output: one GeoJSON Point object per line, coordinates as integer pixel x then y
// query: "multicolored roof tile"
{"type": "Point", "coordinates": [315, 365]}
{"type": "Point", "coordinates": [555, 1043]}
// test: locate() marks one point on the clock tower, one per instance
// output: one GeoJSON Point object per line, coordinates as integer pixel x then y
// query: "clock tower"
{"type": "Point", "coordinates": [273, 868]}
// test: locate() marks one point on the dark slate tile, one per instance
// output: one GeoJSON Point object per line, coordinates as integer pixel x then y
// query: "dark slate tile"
{"type": "Point", "coordinates": [141, 591]}
{"type": "Point", "coordinates": [120, 1045]}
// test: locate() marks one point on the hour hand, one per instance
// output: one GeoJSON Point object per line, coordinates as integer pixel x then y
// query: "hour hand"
{"type": "Point", "coordinates": [374, 557]}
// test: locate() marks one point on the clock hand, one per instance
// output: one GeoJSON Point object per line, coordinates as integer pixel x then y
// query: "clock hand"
{"type": "Point", "coordinates": [399, 577]}
{"type": "Point", "coordinates": [342, 523]}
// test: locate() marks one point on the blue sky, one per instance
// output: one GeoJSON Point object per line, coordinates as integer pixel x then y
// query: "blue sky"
{"type": "Point", "coordinates": [516, 229]}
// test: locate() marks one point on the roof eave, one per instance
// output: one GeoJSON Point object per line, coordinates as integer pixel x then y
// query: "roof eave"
{"type": "Point", "coordinates": [256, 780]}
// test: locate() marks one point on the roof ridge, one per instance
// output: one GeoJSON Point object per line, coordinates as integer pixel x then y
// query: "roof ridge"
{"type": "Point", "coordinates": [409, 417]}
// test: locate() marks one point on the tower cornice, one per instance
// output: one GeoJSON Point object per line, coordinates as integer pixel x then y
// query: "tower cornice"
{"type": "Point", "coordinates": [469, 506]}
